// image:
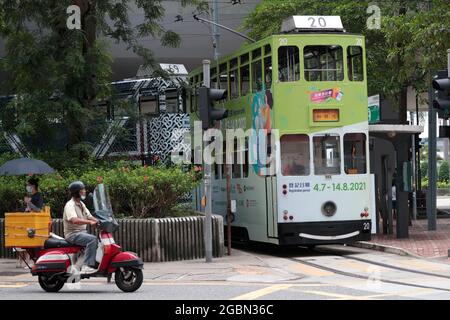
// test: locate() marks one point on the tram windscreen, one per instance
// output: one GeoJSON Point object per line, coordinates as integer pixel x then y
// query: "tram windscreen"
{"type": "Point", "coordinates": [295, 155]}
{"type": "Point", "coordinates": [355, 153]}
{"type": "Point", "coordinates": [327, 158]}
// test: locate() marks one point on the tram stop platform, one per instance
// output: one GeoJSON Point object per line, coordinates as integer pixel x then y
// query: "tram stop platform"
{"type": "Point", "coordinates": [421, 242]}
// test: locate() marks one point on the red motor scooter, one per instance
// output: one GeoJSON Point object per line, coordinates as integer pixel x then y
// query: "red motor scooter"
{"type": "Point", "coordinates": [60, 262]}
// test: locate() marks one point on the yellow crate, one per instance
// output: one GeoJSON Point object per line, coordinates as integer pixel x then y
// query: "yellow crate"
{"type": "Point", "coordinates": [27, 229]}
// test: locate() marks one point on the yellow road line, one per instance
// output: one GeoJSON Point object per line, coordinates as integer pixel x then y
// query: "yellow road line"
{"type": "Point", "coordinates": [331, 294]}
{"type": "Point", "coordinates": [226, 283]}
{"type": "Point", "coordinates": [17, 285]}
{"type": "Point", "coordinates": [361, 266]}
{"type": "Point", "coordinates": [310, 271]}
{"type": "Point", "coordinates": [262, 292]}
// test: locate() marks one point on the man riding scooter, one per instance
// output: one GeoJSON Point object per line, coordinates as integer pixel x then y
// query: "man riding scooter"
{"type": "Point", "coordinates": [76, 218]}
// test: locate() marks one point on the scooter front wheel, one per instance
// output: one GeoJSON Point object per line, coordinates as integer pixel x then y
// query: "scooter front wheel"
{"type": "Point", "coordinates": [51, 284]}
{"type": "Point", "coordinates": [129, 279]}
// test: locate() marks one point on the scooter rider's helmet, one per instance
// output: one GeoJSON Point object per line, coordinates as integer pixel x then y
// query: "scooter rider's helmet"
{"type": "Point", "coordinates": [75, 188]}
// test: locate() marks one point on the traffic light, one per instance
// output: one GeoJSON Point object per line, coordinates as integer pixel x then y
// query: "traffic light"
{"type": "Point", "coordinates": [417, 141]}
{"type": "Point", "coordinates": [209, 114]}
{"type": "Point", "coordinates": [442, 102]}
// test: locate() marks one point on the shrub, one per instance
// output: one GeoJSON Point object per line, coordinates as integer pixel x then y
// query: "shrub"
{"type": "Point", "coordinates": [443, 174]}
{"type": "Point", "coordinates": [443, 184]}
{"type": "Point", "coordinates": [424, 169]}
{"type": "Point", "coordinates": [135, 191]}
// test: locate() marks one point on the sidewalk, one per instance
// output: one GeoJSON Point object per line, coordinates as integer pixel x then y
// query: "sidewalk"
{"type": "Point", "coordinates": [239, 267]}
{"type": "Point", "coordinates": [421, 242]}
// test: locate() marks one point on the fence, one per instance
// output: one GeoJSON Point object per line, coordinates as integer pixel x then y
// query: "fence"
{"type": "Point", "coordinates": [155, 240]}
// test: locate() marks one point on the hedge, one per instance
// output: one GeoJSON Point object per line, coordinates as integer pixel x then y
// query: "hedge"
{"type": "Point", "coordinates": [135, 191]}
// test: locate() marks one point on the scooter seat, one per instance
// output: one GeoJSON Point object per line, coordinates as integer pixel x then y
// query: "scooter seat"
{"type": "Point", "coordinates": [57, 243]}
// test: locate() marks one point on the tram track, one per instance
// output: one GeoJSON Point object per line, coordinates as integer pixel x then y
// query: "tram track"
{"type": "Point", "coordinates": [386, 265]}
{"type": "Point", "coordinates": [370, 278]}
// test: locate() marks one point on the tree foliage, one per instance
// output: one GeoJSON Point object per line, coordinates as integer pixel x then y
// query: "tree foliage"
{"type": "Point", "coordinates": [443, 174]}
{"type": "Point", "coordinates": [57, 73]}
{"type": "Point", "coordinates": [413, 38]}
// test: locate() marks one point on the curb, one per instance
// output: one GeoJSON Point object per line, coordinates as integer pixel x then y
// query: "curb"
{"type": "Point", "coordinates": [385, 248]}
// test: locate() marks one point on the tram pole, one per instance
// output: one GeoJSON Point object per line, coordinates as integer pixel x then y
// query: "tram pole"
{"type": "Point", "coordinates": [207, 181]}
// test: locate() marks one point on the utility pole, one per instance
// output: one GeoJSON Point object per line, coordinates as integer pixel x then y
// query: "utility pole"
{"type": "Point", "coordinates": [216, 34]}
{"type": "Point", "coordinates": [207, 181]}
{"type": "Point", "coordinates": [227, 166]}
{"type": "Point", "coordinates": [431, 193]}
{"type": "Point", "coordinates": [414, 172]}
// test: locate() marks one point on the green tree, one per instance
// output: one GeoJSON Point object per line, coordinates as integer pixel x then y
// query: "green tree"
{"type": "Point", "coordinates": [423, 170]}
{"type": "Point", "coordinates": [412, 40]}
{"type": "Point", "coordinates": [443, 175]}
{"type": "Point", "coordinates": [59, 73]}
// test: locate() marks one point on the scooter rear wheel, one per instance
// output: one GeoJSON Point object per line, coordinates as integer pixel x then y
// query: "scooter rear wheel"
{"type": "Point", "coordinates": [50, 285]}
{"type": "Point", "coordinates": [128, 279]}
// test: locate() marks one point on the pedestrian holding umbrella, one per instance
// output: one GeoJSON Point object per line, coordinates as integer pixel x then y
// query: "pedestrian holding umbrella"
{"type": "Point", "coordinates": [27, 166]}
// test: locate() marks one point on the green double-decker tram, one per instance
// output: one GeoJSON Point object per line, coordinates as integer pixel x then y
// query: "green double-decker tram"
{"type": "Point", "coordinates": [307, 87]}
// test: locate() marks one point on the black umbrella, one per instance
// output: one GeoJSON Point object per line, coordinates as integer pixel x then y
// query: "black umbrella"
{"type": "Point", "coordinates": [23, 166]}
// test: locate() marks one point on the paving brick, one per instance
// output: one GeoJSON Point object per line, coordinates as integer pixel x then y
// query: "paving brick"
{"type": "Point", "coordinates": [430, 244]}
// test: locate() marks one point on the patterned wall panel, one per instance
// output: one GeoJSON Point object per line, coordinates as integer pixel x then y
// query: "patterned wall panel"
{"type": "Point", "coordinates": [165, 134]}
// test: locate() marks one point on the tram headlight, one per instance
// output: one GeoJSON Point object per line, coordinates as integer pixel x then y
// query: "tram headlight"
{"type": "Point", "coordinates": [329, 208]}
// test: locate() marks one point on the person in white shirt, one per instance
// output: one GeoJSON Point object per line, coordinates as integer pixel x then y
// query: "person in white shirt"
{"type": "Point", "coordinates": [76, 218]}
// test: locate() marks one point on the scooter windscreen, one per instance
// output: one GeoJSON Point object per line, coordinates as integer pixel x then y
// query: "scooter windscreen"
{"type": "Point", "coordinates": [103, 209]}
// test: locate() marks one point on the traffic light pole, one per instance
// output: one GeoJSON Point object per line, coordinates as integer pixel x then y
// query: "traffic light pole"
{"type": "Point", "coordinates": [207, 181]}
{"type": "Point", "coordinates": [431, 194]}
{"type": "Point", "coordinates": [414, 172]}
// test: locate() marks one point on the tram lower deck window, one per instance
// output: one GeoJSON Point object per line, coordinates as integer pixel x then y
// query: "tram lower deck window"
{"type": "Point", "coordinates": [327, 158]}
{"type": "Point", "coordinates": [355, 153]}
{"type": "Point", "coordinates": [295, 155]}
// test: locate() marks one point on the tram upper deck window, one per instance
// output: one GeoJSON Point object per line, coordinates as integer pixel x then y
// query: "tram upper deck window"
{"type": "Point", "coordinates": [268, 72]}
{"type": "Point", "coordinates": [327, 158]}
{"type": "Point", "coordinates": [245, 80]}
{"type": "Point", "coordinates": [288, 64]}
{"type": "Point", "coordinates": [257, 76]}
{"type": "Point", "coordinates": [256, 54]}
{"type": "Point", "coordinates": [234, 83]}
{"type": "Point", "coordinates": [233, 63]}
{"type": "Point", "coordinates": [323, 63]}
{"type": "Point", "coordinates": [149, 105]}
{"type": "Point", "coordinates": [233, 78]}
{"type": "Point", "coordinates": [172, 105]}
{"type": "Point", "coordinates": [213, 81]}
{"type": "Point", "coordinates": [223, 76]}
{"type": "Point", "coordinates": [355, 153]}
{"type": "Point", "coordinates": [244, 58]}
{"type": "Point", "coordinates": [295, 155]}
{"type": "Point", "coordinates": [355, 63]}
